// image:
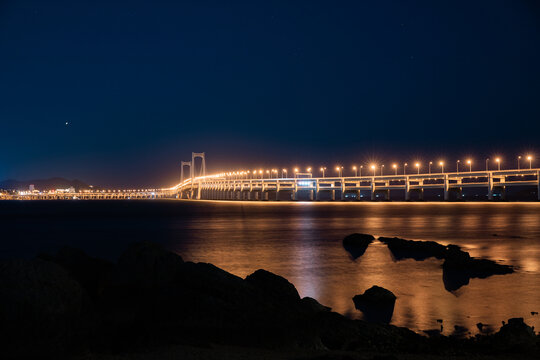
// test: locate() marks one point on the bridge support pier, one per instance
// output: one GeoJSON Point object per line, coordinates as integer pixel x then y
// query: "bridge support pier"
{"type": "Point", "coordinates": [446, 188]}
{"type": "Point", "coordinates": [490, 186]}
{"type": "Point", "coordinates": [342, 189]}
{"type": "Point", "coordinates": [317, 192]}
{"type": "Point", "coordinates": [373, 189]}
{"type": "Point", "coordinates": [407, 189]}
{"type": "Point", "coordinates": [357, 195]}
{"type": "Point", "coordinates": [538, 181]}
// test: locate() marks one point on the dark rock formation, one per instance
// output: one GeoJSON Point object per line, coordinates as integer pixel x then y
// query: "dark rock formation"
{"type": "Point", "coordinates": [356, 244]}
{"type": "Point", "coordinates": [152, 298]}
{"type": "Point", "coordinates": [44, 313]}
{"type": "Point", "coordinates": [459, 267]}
{"type": "Point", "coordinates": [410, 249]}
{"type": "Point", "coordinates": [273, 286]}
{"type": "Point", "coordinates": [91, 273]}
{"type": "Point", "coordinates": [376, 303]}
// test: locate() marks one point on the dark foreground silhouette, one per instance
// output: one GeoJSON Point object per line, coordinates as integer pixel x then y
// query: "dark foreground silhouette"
{"type": "Point", "coordinates": [71, 305]}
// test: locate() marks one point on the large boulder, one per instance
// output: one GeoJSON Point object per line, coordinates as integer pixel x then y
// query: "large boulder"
{"type": "Point", "coordinates": [376, 303]}
{"type": "Point", "coordinates": [43, 311]}
{"type": "Point", "coordinates": [92, 273]}
{"type": "Point", "coordinates": [356, 244]}
{"type": "Point", "coordinates": [147, 265]}
{"type": "Point", "coordinates": [273, 287]}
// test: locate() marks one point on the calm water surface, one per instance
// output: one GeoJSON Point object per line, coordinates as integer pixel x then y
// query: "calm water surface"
{"type": "Point", "coordinates": [302, 242]}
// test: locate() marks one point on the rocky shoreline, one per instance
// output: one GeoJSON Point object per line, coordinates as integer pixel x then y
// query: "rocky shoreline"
{"type": "Point", "coordinates": [153, 302]}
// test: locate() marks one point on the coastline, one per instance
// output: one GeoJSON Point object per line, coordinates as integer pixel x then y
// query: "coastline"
{"type": "Point", "coordinates": [152, 304]}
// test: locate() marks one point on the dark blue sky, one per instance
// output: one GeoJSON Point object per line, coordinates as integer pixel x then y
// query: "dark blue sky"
{"type": "Point", "coordinates": [261, 83]}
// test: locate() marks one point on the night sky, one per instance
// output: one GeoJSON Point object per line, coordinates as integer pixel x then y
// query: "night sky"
{"type": "Point", "coordinates": [118, 93]}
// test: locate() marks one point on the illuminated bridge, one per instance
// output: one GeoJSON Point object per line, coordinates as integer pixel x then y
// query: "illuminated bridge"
{"type": "Point", "coordinates": [242, 186]}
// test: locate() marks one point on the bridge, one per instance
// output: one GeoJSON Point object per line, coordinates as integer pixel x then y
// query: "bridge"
{"type": "Point", "coordinates": [131, 194]}
{"type": "Point", "coordinates": [267, 185]}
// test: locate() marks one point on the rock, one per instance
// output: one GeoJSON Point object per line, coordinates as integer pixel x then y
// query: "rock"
{"type": "Point", "coordinates": [147, 265]}
{"type": "Point", "coordinates": [516, 335]}
{"type": "Point", "coordinates": [376, 303]}
{"type": "Point", "coordinates": [273, 287]}
{"type": "Point", "coordinates": [44, 313]}
{"type": "Point", "coordinates": [356, 244]}
{"type": "Point", "coordinates": [312, 305]}
{"type": "Point", "coordinates": [459, 267]}
{"type": "Point", "coordinates": [460, 331]}
{"type": "Point", "coordinates": [410, 249]}
{"type": "Point", "coordinates": [91, 273]}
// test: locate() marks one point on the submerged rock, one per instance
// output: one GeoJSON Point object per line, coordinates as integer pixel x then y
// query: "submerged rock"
{"type": "Point", "coordinates": [356, 244]}
{"type": "Point", "coordinates": [410, 249]}
{"type": "Point", "coordinates": [376, 303]}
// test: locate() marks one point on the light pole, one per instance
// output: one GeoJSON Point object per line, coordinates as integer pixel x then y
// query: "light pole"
{"type": "Point", "coordinates": [417, 167]}
{"type": "Point", "coordinates": [441, 163]}
{"type": "Point", "coordinates": [487, 164]}
{"type": "Point", "coordinates": [530, 161]}
{"type": "Point", "coordinates": [322, 170]}
{"type": "Point", "coordinates": [309, 170]}
{"type": "Point", "coordinates": [429, 167]}
{"type": "Point", "coordinates": [457, 166]}
{"type": "Point", "coordinates": [382, 168]}
{"type": "Point", "coordinates": [498, 161]}
{"type": "Point", "coordinates": [361, 167]}
{"type": "Point", "coordinates": [470, 165]}
{"type": "Point", "coordinates": [519, 160]}
{"type": "Point", "coordinates": [395, 168]}
{"type": "Point", "coordinates": [283, 173]}
{"type": "Point", "coordinates": [373, 168]}
{"type": "Point", "coordinates": [261, 173]}
{"type": "Point", "coordinates": [338, 169]}
{"type": "Point", "coordinates": [355, 171]}
{"type": "Point", "coordinates": [295, 172]}
{"type": "Point", "coordinates": [405, 168]}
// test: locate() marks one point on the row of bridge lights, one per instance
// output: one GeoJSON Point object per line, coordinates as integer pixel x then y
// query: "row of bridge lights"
{"type": "Point", "coordinates": [358, 169]}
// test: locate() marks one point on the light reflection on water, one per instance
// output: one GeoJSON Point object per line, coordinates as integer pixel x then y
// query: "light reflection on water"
{"type": "Point", "coordinates": [302, 242]}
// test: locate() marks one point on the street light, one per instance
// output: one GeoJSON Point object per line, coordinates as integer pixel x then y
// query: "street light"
{"type": "Point", "coordinates": [530, 161]}
{"type": "Point", "coordinates": [441, 164]}
{"type": "Point", "coordinates": [487, 166]}
{"type": "Point", "coordinates": [457, 166]}
{"type": "Point", "coordinates": [382, 168]}
{"type": "Point", "coordinates": [295, 171]}
{"type": "Point", "coordinates": [417, 167]}
{"type": "Point", "coordinates": [395, 168]}
{"type": "Point", "coordinates": [519, 160]}
{"type": "Point", "coordinates": [498, 161]}
{"type": "Point", "coordinates": [373, 168]}
{"type": "Point", "coordinates": [405, 168]}
{"type": "Point", "coordinates": [338, 169]}
{"type": "Point", "coordinates": [429, 167]}
{"type": "Point", "coordinates": [470, 164]}
{"type": "Point", "coordinates": [361, 167]}
{"type": "Point", "coordinates": [355, 171]}
{"type": "Point", "coordinates": [308, 169]}
{"type": "Point", "coordinates": [283, 171]}
{"type": "Point", "coordinates": [322, 170]}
